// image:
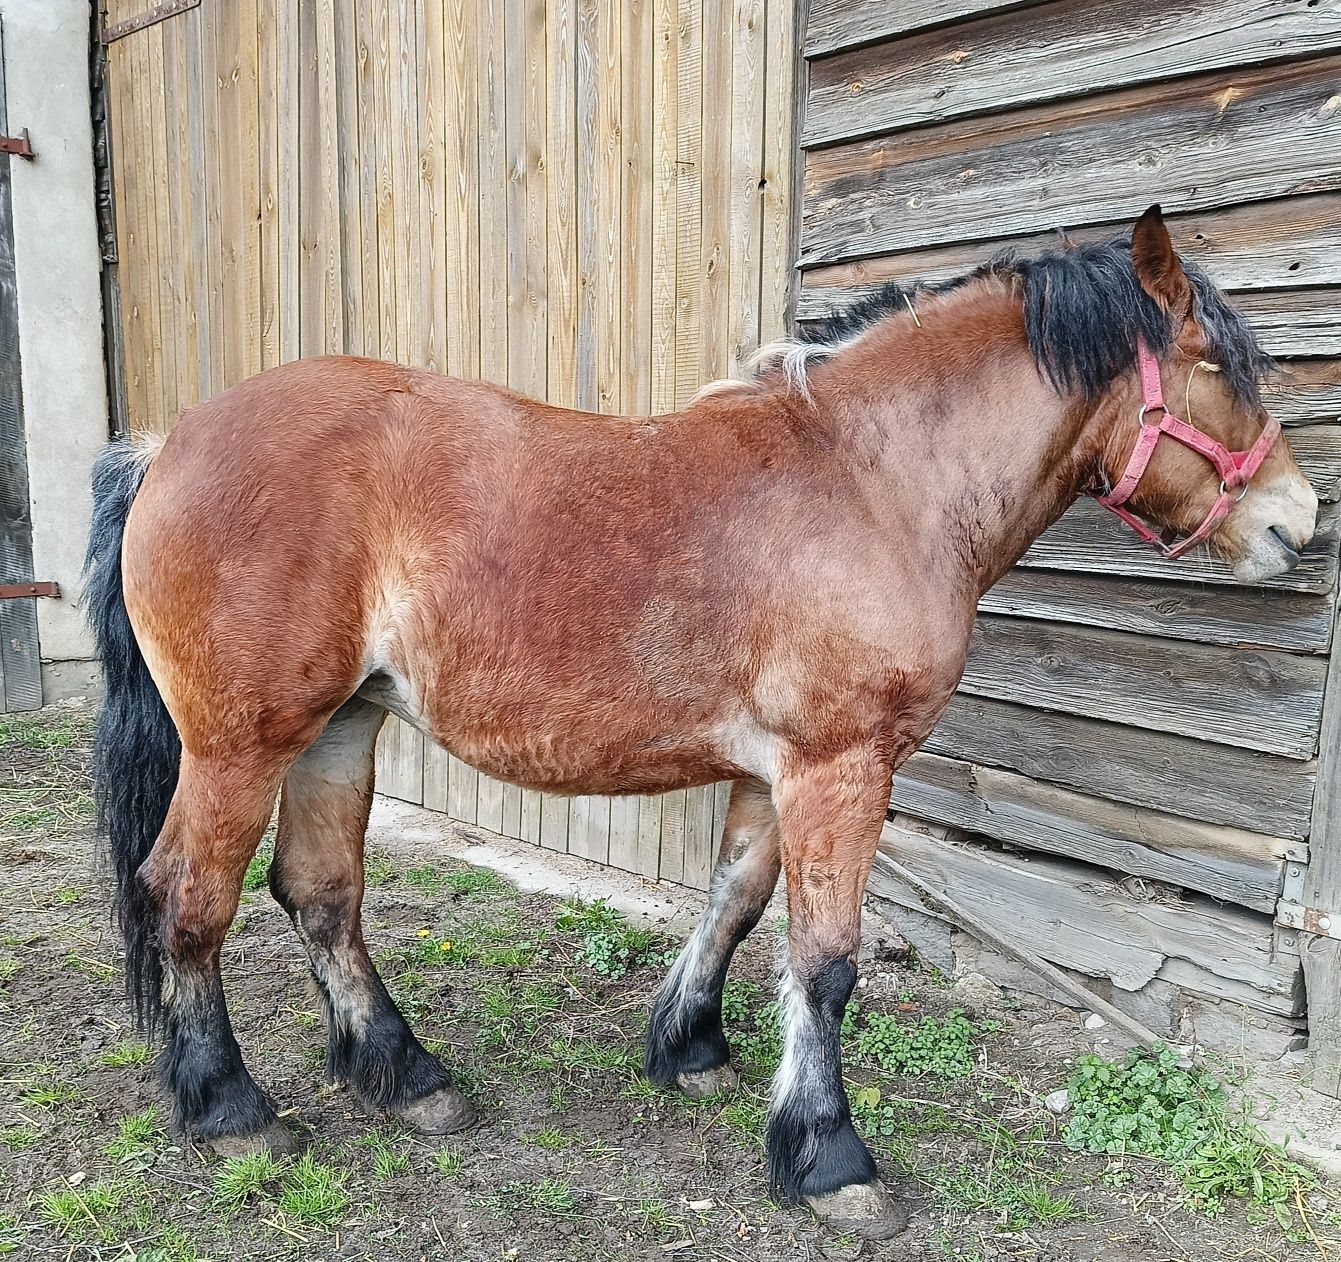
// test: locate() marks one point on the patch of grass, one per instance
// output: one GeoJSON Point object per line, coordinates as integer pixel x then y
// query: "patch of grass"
{"type": "Point", "coordinates": [17, 1138]}
{"type": "Point", "coordinates": [379, 869]}
{"type": "Point", "coordinates": [69, 895]}
{"type": "Point", "coordinates": [390, 1152]}
{"type": "Point", "coordinates": [1149, 1106]}
{"type": "Point", "coordinates": [466, 881]}
{"type": "Point", "coordinates": [549, 1196]}
{"type": "Point", "coordinates": [551, 1137]}
{"type": "Point", "coordinates": [450, 1159]}
{"type": "Point", "coordinates": [138, 1135]}
{"type": "Point", "coordinates": [607, 943]}
{"type": "Point", "coordinates": [242, 1179]}
{"type": "Point", "coordinates": [172, 1244]}
{"type": "Point", "coordinates": [11, 1234]}
{"type": "Point", "coordinates": [1004, 1186]}
{"type": "Point", "coordinates": [9, 966]}
{"type": "Point", "coordinates": [45, 730]}
{"type": "Point", "coordinates": [312, 1193]}
{"type": "Point", "coordinates": [78, 1212]}
{"type": "Point", "coordinates": [656, 1216]}
{"type": "Point", "coordinates": [126, 1053]}
{"type": "Point", "coordinates": [257, 875]}
{"type": "Point", "coordinates": [939, 1047]}
{"type": "Point", "coordinates": [45, 1091]}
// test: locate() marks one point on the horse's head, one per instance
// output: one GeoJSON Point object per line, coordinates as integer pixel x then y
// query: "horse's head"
{"type": "Point", "coordinates": [1191, 449]}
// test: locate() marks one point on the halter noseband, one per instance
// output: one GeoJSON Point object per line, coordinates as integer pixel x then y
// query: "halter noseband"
{"type": "Point", "coordinates": [1234, 467]}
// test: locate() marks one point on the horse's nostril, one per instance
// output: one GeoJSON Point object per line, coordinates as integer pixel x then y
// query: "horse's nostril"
{"type": "Point", "coordinates": [1286, 541]}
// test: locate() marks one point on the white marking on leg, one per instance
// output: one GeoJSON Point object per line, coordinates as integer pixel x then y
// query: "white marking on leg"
{"type": "Point", "coordinates": [338, 969]}
{"type": "Point", "coordinates": [795, 1078]}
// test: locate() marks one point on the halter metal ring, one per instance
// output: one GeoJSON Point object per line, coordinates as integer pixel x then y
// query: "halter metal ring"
{"type": "Point", "coordinates": [1149, 407]}
{"type": "Point", "coordinates": [1243, 490]}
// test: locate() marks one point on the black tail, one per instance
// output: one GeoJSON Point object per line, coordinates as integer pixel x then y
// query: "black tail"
{"type": "Point", "coordinates": [136, 749]}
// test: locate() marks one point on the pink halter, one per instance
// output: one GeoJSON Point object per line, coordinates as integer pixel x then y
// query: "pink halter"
{"type": "Point", "coordinates": [1234, 467]}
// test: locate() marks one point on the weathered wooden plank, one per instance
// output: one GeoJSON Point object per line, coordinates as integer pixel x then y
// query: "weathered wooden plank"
{"type": "Point", "coordinates": [530, 816]}
{"type": "Point", "coordinates": [1305, 391]}
{"type": "Point", "coordinates": [1239, 867]}
{"type": "Point", "coordinates": [527, 127]}
{"type": "Point", "coordinates": [1247, 617]}
{"type": "Point", "coordinates": [1090, 539]}
{"type": "Point", "coordinates": [689, 329]}
{"type": "Point", "coordinates": [463, 788]}
{"type": "Point", "coordinates": [715, 186]}
{"type": "Point", "coordinates": [436, 42]}
{"type": "Point", "coordinates": [1209, 140]}
{"type": "Point", "coordinates": [437, 777]}
{"type": "Point", "coordinates": [1080, 919]}
{"type": "Point", "coordinates": [1281, 244]}
{"type": "Point", "coordinates": [665, 170]}
{"type": "Point", "coordinates": [1052, 52]}
{"type": "Point", "coordinates": [489, 812]}
{"type": "Point", "coordinates": [1259, 698]}
{"type": "Point", "coordinates": [1221, 784]}
{"type": "Point", "coordinates": [402, 125]}
{"type": "Point", "coordinates": [636, 206]}
{"type": "Point", "coordinates": [649, 836]}
{"type": "Point", "coordinates": [837, 24]}
{"type": "Point", "coordinates": [554, 822]}
{"type": "Point", "coordinates": [561, 160]}
{"type": "Point", "coordinates": [674, 809]}
{"type": "Point", "coordinates": [512, 811]}
{"type": "Point", "coordinates": [747, 125]}
{"type": "Point", "coordinates": [370, 181]}
{"type": "Point", "coordinates": [782, 120]}
{"type": "Point", "coordinates": [400, 761]}
{"type": "Point", "coordinates": [698, 837]}
{"type": "Point", "coordinates": [603, 272]}
{"type": "Point", "coordinates": [494, 223]}
{"type": "Point", "coordinates": [623, 852]}
{"type": "Point", "coordinates": [1295, 322]}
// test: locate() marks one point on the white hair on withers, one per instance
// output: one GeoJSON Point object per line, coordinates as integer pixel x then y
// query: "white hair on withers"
{"type": "Point", "coordinates": [788, 356]}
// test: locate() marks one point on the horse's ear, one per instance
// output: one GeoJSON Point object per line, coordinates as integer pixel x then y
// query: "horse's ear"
{"type": "Point", "coordinates": [1157, 265]}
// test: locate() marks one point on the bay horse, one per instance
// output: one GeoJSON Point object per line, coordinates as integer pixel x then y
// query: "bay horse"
{"type": "Point", "coordinates": [773, 587]}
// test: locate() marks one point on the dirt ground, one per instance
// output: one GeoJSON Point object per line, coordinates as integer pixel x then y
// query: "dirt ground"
{"type": "Point", "coordinates": [539, 1013]}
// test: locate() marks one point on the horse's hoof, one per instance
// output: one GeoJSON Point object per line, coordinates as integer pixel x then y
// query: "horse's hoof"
{"type": "Point", "coordinates": [276, 1139]}
{"type": "Point", "coordinates": [864, 1209]}
{"type": "Point", "coordinates": [708, 1082]}
{"type": "Point", "coordinates": [440, 1113]}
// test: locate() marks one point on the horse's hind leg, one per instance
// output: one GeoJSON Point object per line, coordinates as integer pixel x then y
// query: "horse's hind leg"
{"type": "Point", "coordinates": [317, 877]}
{"type": "Point", "coordinates": [194, 877]}
{"type": "Point", "coordinates": [685, 1041]}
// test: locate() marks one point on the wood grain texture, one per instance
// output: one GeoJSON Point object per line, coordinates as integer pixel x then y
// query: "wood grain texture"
{"type": "Point", "coordinates": [1071, 48]}
{"type": "Point", "coordinates": [1258, 698]}
{"type": "Point", "coordinates": [838, 24]}
{"type": "Point", "coordinates": [1220, 784]}
{"type": "Point", "coordinates": [1079, 918]}
{"type": "Point", "coordinates": [1201, 612]}
{"type": "Point", "coordinates": [1205, 141]}
{"type": "Point", "coordinates": [1281, 244]}
{"type": "Point", "coordinates": [1227, 863]}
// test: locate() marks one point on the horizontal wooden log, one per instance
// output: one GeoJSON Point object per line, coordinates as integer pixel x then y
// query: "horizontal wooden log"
{"type": "Point", "coordinates": [1282, 244]}
{"type": "Point", "coordinates": [1075, 916]}
{"type": "Point", "coordinates": [1228, 863]}
{"type": "Point", "coordinates": [1221, 784]}
{"type": "Point", "coordinates": [836, 24]}
{"type": "Point", "coordinates": [1295, 322]}
{"type": "Point", "coordinates": [1258, 698]}
{"type": "Point", "coordinates": [1207, 141]}
{"type": "Point", "coordinates": [1090, 539]}
{"type": "Point", "coordinates": [1068, 49]}
{"type": "Point", "coordinates": [1243, 617]}
{"type": "Point", "coordinates": [1306, 390]}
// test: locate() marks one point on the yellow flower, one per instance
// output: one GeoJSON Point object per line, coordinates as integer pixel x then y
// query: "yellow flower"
{"type": "Point", "coordinates": [444, 946]}
{"type": "Point", "coordinates": [423, 933]}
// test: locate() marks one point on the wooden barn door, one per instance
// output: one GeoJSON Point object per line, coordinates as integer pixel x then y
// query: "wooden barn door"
{"type": "Point", "coordinates": [1129, 767]}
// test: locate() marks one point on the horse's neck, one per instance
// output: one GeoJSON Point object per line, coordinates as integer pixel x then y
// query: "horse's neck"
{"type": "Point", "coordinates": [974, 452]}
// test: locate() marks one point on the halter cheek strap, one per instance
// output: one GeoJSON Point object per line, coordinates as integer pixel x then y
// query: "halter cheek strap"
{"type": "Point", "coordinates": [1234, 467]}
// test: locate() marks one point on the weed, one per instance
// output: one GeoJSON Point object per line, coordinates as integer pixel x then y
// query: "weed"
{"type": "Point", "coordinates": [126, 1053]}
{"type": "Point", "coordinates": [390, 1152]}
{"type": "Point", "coordinates": [943, 1048]}
{"type": "Point", "coordinates": [552, 1138]}
{"type": "Point", "coordinates": [312, 1193]}
{"type": "Point", "coordinates": [74, 1211]}
{"type": "Point", "coordinates": [379, 869]}
{"type": "Point", "coordinates": [656, 1216]}
{"type": "Point", "coordinates": [608, 944]}
{"type": "Point", "coordinates": [44, 732]}
{"type": "Point", "coordinates": [11, 1234]}
{"type": "Point", "coordinates": [17, 1138]}
{"type": "Point", "coordinates": [241, 1179]}
{"type": "Point", "coordinates": [68, 896]}
{"type": "Point", "coordinates": [549, 1196]}
{"type": "Point", "coordinates": [9, 966]}
{"type": "Point", "coordinates": [47, 1094]}
{"type": "Point", "coordinates": [258, 870]}
{"type": "Point", "coordinates": [138, 1136]}
{"type": "Point", "coordinates": [467, 881]}
{"type": "Point", "coordinates": [450, 1160]}
{"type": "Point", "coordinates": [1150, 1106]}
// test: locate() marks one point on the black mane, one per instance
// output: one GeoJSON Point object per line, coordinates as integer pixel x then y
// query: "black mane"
{"type": "Point", "coordinates": [1084, 310]}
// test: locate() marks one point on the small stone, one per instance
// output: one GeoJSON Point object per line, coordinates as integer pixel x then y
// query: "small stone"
{"type": "Point", "coordinates": [1095, 1022]}
{"type": "Point", "coordinates": [1058, 1101]}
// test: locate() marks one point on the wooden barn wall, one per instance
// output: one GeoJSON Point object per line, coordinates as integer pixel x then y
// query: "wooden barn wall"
{"type": "Point", "coordinates": [587, 200]}
{"type": "Point", "coordinates": [1117, 710]}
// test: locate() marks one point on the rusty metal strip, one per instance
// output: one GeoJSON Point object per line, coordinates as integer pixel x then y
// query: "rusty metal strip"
{"type": "Point", "coordinates": [17, 591]}
{"type": "Point", "coordinates": [20, 146]}
{"type": "Point", "coordinates": [169, 8]}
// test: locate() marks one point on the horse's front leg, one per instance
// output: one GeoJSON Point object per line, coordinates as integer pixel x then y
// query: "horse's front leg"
{"type": "Point", "coordinates": [831, 812]}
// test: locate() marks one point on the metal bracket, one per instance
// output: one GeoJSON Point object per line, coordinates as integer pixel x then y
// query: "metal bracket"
{"type": "Point", "coordinates": [20, 146]}
{"type": "Point", "coordinates": [18, 591]}
{"type": "Point", "coordinates": [167, 9]}
{"type": "Point", "coordinates": [1315, 920]}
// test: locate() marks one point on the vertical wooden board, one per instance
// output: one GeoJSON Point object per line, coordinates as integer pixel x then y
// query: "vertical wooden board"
{"type": "Point", "coordinates": [720, 806]}
{"type": "Point", "coordinates": [698, 848]}
{"type": "Point", "coordinates": [554, 822]}
{"type": "Point", "coordinates": [579, 824]}
{"type": "Point", "coordinates": [512, 812]}
{"type": "Point", "coordinates": [715, 190]}
{"type": "Point", "coordinates": [494, 200]}
{"type": "Point", "coordinates": [463, 788]}
{"type": "Point", "coordinates": [674, 811]}
{"type": "Point", "coordinates": [463, 186]}
{"type": "Point", "coordinates": [586, 203]}
{"type": "Point", "coordinates": [748, 35]}
{"type": "Point", "coordinates": [309, 184]}
{"type": "Point", "coordinates": [214, 218]}
{"type": "Point", "coordinates": [367, 34]}
{"type": "Point", "coordinates": [146, 223]}
{"type": "Point", "coordinates": [329, 245]}
{"type": "Point", "coordinates": [432, 56]}
{"type": "Point", "coordinates": [649, 836]}
{"type": "Point", "coordinates": [562, 150]}
{"type": "Point", "coordinates": [247, 277]}
{"type": "Point", "coordinates": [400, 761]}
{"type": "Point", "coordinates": [380, 145]}
{"type": "Point", "coordinates": [598, 830]}
{"type": "Point", "coordinates": [530, 817]}
{"type": "Point", "coordinates": [403, 192]}
{"type": "Point", "coordinates": [623, 852]}
{"type": "Point", "coordinates": [665, 166]}
{"type": "Point", "coordinates": [781, 104]}
{"type": "Point", "coordinates": [490, 810]}
{"type": "Point", "coordinates": [179, 215]}
{"type": "Point", "coordinates": [125, 194]}
{"type": "Point", "coordinates": [635, 132]}
{"type": "Point", "coordinates": [348, 187]}
{"type": "Point", "coordinates": [268, 160]}
{"type": "Point", "coordinates": [287, 122]}
{"type": "Point", "coordinates": [437, 777]}
{"type": "Point", "coordinates": [163, 228]}
{"type": "Point", "coordinates": [606, 277]}
{"type": "Point", "coordinates": [689, 202]}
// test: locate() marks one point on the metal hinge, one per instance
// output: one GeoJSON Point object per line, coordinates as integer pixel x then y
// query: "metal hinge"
{"type": "Point", "coordinates": [20, 146]}
{"type": "Point", "coordinates": [1315, 920]}
{"type": "Point", "coordinates": [158, 13]}
{"type": "Point", "coordinates": [18, 591]}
